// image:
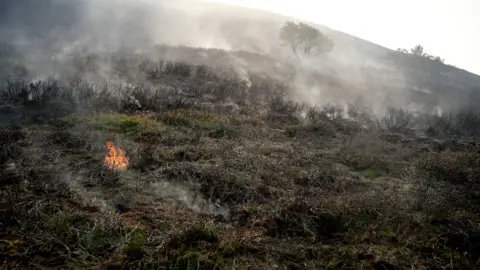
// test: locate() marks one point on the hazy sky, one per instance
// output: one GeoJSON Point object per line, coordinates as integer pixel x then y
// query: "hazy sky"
{"type": "Point", "coordinates": [448, 28]}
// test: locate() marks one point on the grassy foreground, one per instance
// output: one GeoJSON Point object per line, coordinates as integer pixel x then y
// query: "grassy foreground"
{"type": "Point", "coordinates": [217, 191]}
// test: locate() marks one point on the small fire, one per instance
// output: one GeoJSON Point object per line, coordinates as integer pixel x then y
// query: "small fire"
{"type": "Point", "coordinates": [116, 159]}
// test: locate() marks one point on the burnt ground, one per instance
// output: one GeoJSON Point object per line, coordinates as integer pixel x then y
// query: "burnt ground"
{"type": "Point", "coordinates": [223, 180]}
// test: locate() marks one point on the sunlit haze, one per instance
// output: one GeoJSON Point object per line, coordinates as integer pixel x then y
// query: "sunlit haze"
{"type": "Point", "coordinates": [447, 28]}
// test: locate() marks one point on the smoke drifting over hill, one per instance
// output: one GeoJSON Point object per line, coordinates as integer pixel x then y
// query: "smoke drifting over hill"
{"type": "Point", "coordinates": [45, 33]}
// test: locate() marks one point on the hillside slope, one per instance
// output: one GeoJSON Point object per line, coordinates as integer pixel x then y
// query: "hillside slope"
{"type": "Point", "coordinates": [218, 177]}
{"type": "Point", "coordinates": [363, 67]}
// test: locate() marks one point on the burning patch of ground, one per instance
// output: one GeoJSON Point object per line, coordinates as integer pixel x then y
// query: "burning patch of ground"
{"type": "Point", "coordinates": [116, 159]}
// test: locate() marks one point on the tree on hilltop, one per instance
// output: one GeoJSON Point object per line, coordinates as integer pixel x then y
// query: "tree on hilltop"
{"type": "Point", "coordinates": [305, 38]}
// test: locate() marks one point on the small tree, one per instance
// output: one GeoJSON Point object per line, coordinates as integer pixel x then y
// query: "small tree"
{"type": "Point", "coordinates": [418, 50]}
{"type": "Point", "coordinates": [303, 37]}
{"type": "Point", "coordinates": [439, 59]}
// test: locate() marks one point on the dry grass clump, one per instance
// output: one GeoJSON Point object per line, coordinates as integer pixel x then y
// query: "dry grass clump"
{"type": "Point", "coordinates": [366, 151]}
{"type": "Point", "coordinates": [455, 167]}
{"type": "Point", "coordinates": [10, 147]}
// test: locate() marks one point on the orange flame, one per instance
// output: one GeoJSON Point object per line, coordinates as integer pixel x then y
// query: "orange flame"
{"type": "Point", "coordinates": [116, 159]}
